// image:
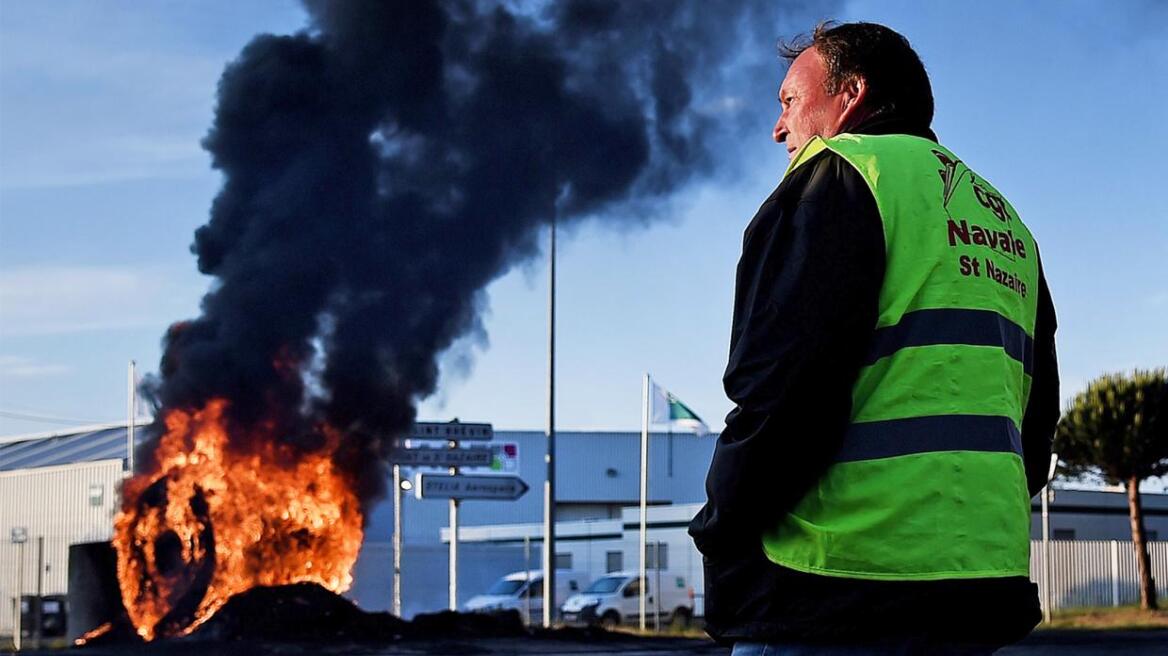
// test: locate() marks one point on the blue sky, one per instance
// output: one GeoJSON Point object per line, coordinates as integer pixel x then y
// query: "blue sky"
{"type": "Point", "coordinates": [102, 183]}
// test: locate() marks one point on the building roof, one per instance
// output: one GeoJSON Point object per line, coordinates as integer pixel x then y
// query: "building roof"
{"type": "Point", "coordinates": [596, 471]}
{"type": "Point", "coordinates": [103, 442]}
{"type": "Point", "coordinates": [108, 442]}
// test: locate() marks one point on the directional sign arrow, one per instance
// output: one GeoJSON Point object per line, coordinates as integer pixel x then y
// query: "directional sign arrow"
{"type": "Point", "coordinates": [428, 457]}
{"type": "Point", "coordinates": [498, 488]}
{"type": "Point", "coordinates": [430, 430]}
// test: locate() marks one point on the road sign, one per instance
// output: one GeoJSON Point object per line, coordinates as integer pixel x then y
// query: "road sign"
{"type": "Point", "coordinates": [19, 534]}
{"type": "Point", "coordinates": [451, 430]}
{"type": "Point", "coordinates": [498, 488]}
{"type": "Point", "coordinates": [504, 460]}
{"type": "Point", "coordinates": [429, 457]}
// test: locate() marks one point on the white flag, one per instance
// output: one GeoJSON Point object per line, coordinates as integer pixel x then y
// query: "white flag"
{"type": "Point", "coordinates": [665, 408]}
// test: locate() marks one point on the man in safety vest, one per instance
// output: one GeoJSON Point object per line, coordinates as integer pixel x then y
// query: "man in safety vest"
{"type": "Point", "coordinates": [893, 365]}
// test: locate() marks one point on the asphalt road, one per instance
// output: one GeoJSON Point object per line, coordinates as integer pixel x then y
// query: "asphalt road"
{"type": "Point", "coordinates": [1090, 643]}
{"type": "Point", "coordinates": [1045, 643]}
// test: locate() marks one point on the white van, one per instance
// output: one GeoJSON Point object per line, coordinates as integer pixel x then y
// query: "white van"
{"type": "Point", "coordinates": [614, 599]}
{"type": "Point", "coordinates": [523, 591]}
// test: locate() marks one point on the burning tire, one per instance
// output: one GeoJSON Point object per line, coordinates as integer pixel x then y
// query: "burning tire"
{"type": "Point", "coordinates": [169, 564]}
{"type": "Point", "coordinates": [210, 520]}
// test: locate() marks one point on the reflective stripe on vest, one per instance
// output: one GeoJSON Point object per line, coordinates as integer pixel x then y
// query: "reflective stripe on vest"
{"type": "Point", "coordinates": [955, 326]}
{"type": "Point", "coordinates": [902, 437]}
{"type": "Point", "coordinates": [929, 482]}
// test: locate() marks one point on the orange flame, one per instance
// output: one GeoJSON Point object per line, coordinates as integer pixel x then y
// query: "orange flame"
{"type": "Point", "coordinates": [210, 521]}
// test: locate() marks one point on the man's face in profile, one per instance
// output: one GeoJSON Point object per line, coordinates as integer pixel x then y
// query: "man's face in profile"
{"type": "Point", "coordinates": [807, 109]}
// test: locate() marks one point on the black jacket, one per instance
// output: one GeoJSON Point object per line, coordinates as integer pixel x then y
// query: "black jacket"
{"type": "Point", "coordinates": [805, 310]}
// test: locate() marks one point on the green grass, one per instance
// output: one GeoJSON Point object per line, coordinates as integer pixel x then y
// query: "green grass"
{"type": "Point", "coordinates": [1121, 618]}
{"type": "Point", "coordinates": [670, 631]}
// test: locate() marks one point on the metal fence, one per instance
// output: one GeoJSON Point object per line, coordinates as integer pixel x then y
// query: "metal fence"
{"type": "Point", "coordinates": [1086, 573]}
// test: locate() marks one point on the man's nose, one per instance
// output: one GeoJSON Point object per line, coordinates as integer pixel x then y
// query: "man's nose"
{"type": "Point", "coordinates": [779, 134]}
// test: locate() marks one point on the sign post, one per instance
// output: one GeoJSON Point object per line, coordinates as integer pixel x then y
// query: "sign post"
{"type": "Point", "coordinates": [453, 444]}
{"type": "Point", "coordinates": [451, 458]}
{"type": "Point", "coordinates": [397, 539]}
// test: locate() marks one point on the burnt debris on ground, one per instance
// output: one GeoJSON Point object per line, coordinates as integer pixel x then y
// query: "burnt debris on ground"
{"type": "Point", "coordinates": [308, 613]}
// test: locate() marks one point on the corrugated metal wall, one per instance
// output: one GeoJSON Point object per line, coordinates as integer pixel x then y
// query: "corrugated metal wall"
{"type": "Point", "coordinates": [64, 505]}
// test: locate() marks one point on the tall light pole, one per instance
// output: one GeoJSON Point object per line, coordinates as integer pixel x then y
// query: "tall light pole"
{"type": "Point", "coordinates": [131, 414]}
{"type": "Point", "coordinates": [646, 393]}
{"type": "Point", "coordinates": [549, 485]}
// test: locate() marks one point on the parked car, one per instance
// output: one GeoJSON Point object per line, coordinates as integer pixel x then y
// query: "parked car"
{"type": "Point", "coordinates": [523, 591]}
{"type": "Point", "coordinates": [613, 599]}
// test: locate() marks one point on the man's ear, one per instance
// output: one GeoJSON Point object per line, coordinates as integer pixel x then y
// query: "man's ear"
{"type": "Point", "coordinates": [855, 92]}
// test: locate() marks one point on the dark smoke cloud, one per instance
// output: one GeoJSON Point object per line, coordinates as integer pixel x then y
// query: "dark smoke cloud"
{"type": "Point", "coordinates": [387, 163]}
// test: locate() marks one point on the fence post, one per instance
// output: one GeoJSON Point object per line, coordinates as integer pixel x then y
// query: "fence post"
{"type": "Point", "coordinates": [1115, 573]}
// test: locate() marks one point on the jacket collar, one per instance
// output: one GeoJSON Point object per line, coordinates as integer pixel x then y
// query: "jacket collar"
{"type": "Point", "coordinates": [893, 125]}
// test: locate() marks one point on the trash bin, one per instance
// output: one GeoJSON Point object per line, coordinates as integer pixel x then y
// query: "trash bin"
{"type": "Point", "coordinates": [29, 607]}
{"type": "Point", "coordinates": [52, 610]}
{"type": "Point", "coordinates": [54, 616]}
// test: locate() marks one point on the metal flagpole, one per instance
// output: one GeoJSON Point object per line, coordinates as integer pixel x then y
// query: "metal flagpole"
{"type": "Point", "coordinates": [131, 412]}
{"type": "Point", "coordinates": [644, 493]}
{"type": "Point", "coordinates": [397, 539]}
{"type": "Point", "coordinates": [549, 486]}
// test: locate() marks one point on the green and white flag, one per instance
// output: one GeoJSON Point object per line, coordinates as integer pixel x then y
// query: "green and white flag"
{"type": "Point", "coordinates": [668, 409]}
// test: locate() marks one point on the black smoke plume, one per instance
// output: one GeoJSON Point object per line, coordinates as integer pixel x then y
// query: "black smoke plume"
{"type": "Point", "coordinates": [384, 165]}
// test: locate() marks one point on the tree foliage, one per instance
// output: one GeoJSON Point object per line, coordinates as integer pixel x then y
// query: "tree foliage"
{"type": "Point", "coordinates": [1118, 426]}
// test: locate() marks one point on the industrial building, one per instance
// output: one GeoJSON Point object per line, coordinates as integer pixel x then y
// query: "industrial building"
{"type": "Point", "coordinates": [63, 487]}
{"type": "Point", "coordinates": [58, 489]}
